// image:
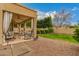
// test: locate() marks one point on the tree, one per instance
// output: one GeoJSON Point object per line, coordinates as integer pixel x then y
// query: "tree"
{"type": "Point", "coordinates": [76, 33]}
{"type": "Point", "coordinates": [44, 23]}
{"type": "Point", "coordinates": [61, 19]}
{"type": "Point", "coordinates": [40, 24]}
{"type": "Point", "coordinates": [48, 21]}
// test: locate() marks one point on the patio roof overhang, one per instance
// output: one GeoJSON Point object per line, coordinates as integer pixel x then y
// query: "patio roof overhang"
{"type": "Point", "coordinates": [18, 9]}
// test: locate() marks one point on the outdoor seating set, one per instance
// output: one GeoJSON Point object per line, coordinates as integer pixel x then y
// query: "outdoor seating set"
{"type": "Point", "coordinates": [20, 35]}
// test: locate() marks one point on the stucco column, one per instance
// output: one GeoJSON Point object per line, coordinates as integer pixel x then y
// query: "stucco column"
{"type": "Point", "coordinates": [2, 37]}
{"type": "Point", "coordinates": [32, 24]}
{"type": "Point", "coordinates": [32, 27]}
{"type": "Point", "coordinates": [25, 27]}
{"type": "Point", "coordinates": [19, 27]}
{"type": "Point", "coordinates": [35, 27]}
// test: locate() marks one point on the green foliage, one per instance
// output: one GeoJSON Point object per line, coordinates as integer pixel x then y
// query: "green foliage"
{"type": "Point", "coordinates": [59, 37]}
{"type": "Point", "coordinates": [50, 30]}
{"type": "Point", "coordinates": [45, 31]}
{"type": "Point", "coordinates": [41, 32]}
{"type": "Point", "coordinates": [44, 23]}
{"type": "Point", "coordinates": [28, 23]}
{"type": "Point", "coordinates": [48, 22]}
{"type": "Point", "coordinates": [76, 34]}
{"type": "Point", "coordinates": [40, 24]}
{"type": "Point", "coordinates": [71, 26]}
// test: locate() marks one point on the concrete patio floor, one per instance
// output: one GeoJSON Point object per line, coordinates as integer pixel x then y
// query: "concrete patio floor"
{"type": "Point", "coordinates": [42, 47]}
{"type": "Point", "coordinates": [14, 48]}
{"type": "Point", "coordinates": [48, 47]}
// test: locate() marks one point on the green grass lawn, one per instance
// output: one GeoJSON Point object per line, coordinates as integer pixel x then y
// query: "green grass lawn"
{"type": "Point", "coordinates": [59, 37]}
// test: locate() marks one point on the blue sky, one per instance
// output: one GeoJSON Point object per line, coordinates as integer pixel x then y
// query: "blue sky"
{"type": "Point", "coordinates": [73, 8]}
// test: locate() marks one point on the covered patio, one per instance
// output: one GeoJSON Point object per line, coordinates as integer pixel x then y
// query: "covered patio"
{"type": "Point", "coordinates": [17, 23]}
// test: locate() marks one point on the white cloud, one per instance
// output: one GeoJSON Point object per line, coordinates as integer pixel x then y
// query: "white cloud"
{"type": "Point", "coordinates": [42, 15]}
{"type": "Point", "coordinates": [52, 14]}
{"type": "Point", "coordinates": [75, 8]}
{"type": "Point", "coordinates": [74, 23]}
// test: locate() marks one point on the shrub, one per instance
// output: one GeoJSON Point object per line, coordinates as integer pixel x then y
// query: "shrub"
{"type": "Point", "coordinates": [46, 31]}
{"type": "Point", "coordinates": [38, 32]}
{"type": "Point", "coordinates": [50, 30]}
{"type": "Point", "coordinates": [42, 32]}
{"type": "Point", "coordinates": [76, 34]}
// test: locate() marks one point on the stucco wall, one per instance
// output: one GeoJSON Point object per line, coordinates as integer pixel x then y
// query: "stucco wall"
{"type": "Point", "coordinates": [63, 30]}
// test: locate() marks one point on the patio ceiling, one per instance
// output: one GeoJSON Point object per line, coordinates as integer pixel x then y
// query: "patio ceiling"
{"type": "Point", "coordinates": [20, 18]}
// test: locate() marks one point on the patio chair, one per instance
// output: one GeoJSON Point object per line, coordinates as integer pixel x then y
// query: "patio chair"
{"type": "Point", "coordinates": [9, 35]}
{"type": "Point", "coordinates": [28, 35]}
